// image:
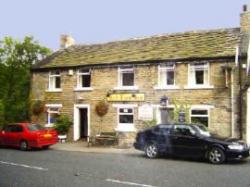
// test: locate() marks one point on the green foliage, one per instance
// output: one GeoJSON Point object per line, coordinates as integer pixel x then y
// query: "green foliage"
{"type": "Point", "coordinates": [62, 124]}
{"type": "Point", "coordinates": [1, 114]}
{"type": "Point", "coordinates": [151, 123]}
{"type": "Point", "coordinates": [178, 107]}
{"type": "Point", "coordinates": [16, 59]}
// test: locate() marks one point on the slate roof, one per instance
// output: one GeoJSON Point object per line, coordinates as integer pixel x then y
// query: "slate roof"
{"type": "Point", "coordinates": [188, 45]}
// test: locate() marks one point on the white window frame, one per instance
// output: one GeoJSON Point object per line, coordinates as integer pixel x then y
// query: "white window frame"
{"type": "Point", "coordinates": [125, 127]}
{"type": "Point", "coordinates": [201, 107]}
{"type": "Point", "coordinates": [79, 81]}
{"type": "Point", "coordinates": [191, 80]}
{"type": "Point", "coordinates": [49, 112]}
{"type": "Point", "coordinates": [164, 85]}
{"type": "Point", "coordinates": [52, 87]}
{"type": "Point", "coordinates": [120, 79]}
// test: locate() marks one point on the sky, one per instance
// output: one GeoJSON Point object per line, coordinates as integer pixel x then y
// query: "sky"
{"type": "Point", "coordinates": [100, 21]}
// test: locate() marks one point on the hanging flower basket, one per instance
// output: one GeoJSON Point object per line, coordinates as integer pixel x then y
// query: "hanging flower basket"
{"type": "Point", "coordinates": [37, 107]}
{"type": "Point", "coordinates": [102, 108]}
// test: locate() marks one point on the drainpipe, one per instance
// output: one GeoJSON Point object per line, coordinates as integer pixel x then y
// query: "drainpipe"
{"type": "Point", "coordinates": [240, 98]}
{"type": "Point", "coordinates": [232, 104]}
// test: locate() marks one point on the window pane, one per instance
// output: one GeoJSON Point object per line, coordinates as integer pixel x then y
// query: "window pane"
{"type": "Point", "coordinates": [84, 70]}
{"type": "Point", "coordinates": [128, 79]}
{"type": "Point", "coordinates": [199, 77]}
{"type": "Point", "coordinates": [126, 110]}
{"type": "Point", "coordinates": [170, 77]}
{"type": "Point", "coordinates": [199, 112]}
{"type": "Point", "coordinates": [86, 80]}
{"type": "Point", "coordinates": [200, 120]}
{"type": "Point", "coordinates": [58, 82]}
{"type": "Point", "coordinates": [126, 119]}
{"type": "Point", "coordinates": [35, 127]}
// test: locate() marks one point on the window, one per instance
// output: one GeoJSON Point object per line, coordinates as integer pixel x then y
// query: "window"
{"type": "Point", "coordinates": [55, 81]}
{"type": "Point", "coordinates": [53, 113]}
{"type": "Point", "coordinates": [125, 119]}
{"type": "Point", "coordinates": [83, 78]}
{"type": "Point", "coordinates": [167, 75]}
{"type": "Point", "coordinates": [198, 74]}
{"type": "Point", "coordinates": [183, 130]}
{"type": "Point", "coordinates": [126, 77]}
{"type": "Point", "coordinates": [14, 128]}
{"type": "Point", "coordinates": [200, 116]}
{"type": "Point", "coordinates": [35, 127]}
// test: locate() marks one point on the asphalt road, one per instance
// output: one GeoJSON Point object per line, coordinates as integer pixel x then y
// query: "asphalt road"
{"type": "Point", "coordinates": [49, 168]}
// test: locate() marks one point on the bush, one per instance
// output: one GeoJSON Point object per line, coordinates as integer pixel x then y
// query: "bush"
{"type": "Point", "coordinates": [62, 125]}
{"type": "Point", "coordinates": [1, 114]}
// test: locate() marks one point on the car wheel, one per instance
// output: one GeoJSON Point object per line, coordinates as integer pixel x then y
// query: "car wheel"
{"type": "Point", "coordinates": [24, 145]}
{"type": "Point", "coordinates": [46, 147]}
{"type": "Point", "coordinates": [216, 155]}
{"type": "Point", "coordinates": [151, 150]}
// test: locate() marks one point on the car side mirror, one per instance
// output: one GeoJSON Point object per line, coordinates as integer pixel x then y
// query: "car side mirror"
{"type": "Point", "coordinates": [3, 132]}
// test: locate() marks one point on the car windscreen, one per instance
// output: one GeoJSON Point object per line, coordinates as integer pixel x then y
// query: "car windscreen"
{"type": "Point", "coordinates": [35, 127]}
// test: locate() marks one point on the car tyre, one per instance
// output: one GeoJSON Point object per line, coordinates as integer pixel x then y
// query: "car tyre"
{"type": "Point", "coordinates": [46, 147]}
{"type": "Point", "coordinates": [24, 145]}
{"type": "Point", "coordinates": [216, 155]}
{"type": "Point", "coordinates": [151, 150]}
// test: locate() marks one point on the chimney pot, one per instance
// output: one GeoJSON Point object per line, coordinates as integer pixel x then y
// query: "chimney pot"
{"type": "Point", "coordinates": [244, 8]}
{"type": "Point", "coordinates": [66, 41]}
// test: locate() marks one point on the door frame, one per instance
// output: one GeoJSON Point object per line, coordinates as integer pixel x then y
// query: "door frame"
{"type": "Point", "coordinates": [76, 130]}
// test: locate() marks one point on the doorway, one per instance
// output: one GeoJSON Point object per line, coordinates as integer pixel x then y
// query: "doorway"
{"type": "Point", "coordinates": [83, 123]}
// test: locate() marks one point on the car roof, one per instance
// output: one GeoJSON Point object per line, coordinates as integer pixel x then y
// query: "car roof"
{"type": "Point", "coordinates": [23, 123]}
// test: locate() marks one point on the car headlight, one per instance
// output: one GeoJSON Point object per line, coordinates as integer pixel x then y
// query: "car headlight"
{"type": "Point", "coordinates": [236, 147]}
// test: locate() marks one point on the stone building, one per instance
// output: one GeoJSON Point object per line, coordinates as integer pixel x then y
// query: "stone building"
{"type": "Point", "coordinates": [197, 76]}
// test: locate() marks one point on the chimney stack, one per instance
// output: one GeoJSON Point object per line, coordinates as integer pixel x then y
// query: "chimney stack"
{"type": "Point", "coordinates": [66, 41]}
{"type": "Point", "coordinates": [245, 20]}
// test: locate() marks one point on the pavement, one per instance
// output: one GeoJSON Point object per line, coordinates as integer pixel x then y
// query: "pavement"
{"type": "Point", "coordinates": [81, 146]}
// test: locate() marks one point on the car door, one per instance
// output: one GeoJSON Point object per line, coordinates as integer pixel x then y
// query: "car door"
{"type": "Point", "coordinates": [161, 135]}
{"type": "Point", "coordinates": [16, 134]}
{"type": "Point", "coordinates": [185, 142]}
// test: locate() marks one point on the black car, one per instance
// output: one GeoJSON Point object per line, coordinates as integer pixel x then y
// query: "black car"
{"type": "Point", "coordinates": [189, 140]}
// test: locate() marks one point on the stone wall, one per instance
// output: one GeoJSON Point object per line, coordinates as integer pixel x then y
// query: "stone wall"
{"type": "Point", "coordinates": [104, 80]}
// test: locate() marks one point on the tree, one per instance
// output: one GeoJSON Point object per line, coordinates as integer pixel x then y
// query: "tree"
{"type": "Point", "coordinates": [1, 114]}
{"type": "Point", "coordinates": [16, 59]}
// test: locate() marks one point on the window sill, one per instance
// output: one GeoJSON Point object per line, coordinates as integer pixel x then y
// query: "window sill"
{"type": "Point", "coordinates": [120, 129]}
{"type": "Point", "coordinates": [199, 87]}
{"type": "Point", "coordinates": [126, 88]}
{"type": "Point", "coordinates": [166, 87]}
{"type": "Point", "coordinates": [49, 125]}
{"type": "Point", "coordinates": [83, 89]}
{"type": "Point", "coordinates": [57, 90]}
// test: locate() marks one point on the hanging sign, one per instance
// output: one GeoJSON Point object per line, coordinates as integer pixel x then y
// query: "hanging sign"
{"type": "Point", "coordinates": [126, 97]}
{"type": "Point", "coordinates": [145, 112]}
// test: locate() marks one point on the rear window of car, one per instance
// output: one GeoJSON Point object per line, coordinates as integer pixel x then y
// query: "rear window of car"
{"type": "Point", "coordinates": [35, 127]}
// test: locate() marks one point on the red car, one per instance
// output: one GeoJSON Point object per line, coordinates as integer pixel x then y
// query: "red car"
{"type": "Point", "coordinates": [27, 135]}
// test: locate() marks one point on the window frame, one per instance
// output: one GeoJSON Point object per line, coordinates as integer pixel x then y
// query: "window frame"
{"type": "Point", "coordinates": [80, 78]}
{"type": "Point", "coordinates": [120, 86]}
{"type": "Point", "coordinates": [192, 76]}
{"type": "Point", "coordinates": [125, 127]}
{"type": "Point", "coordinates": [49, 112]}
{"type": "Point", "coordinates": [165, 69]}
{"type": "Point", "coordinates": [52, 78]}
{"type": "Point", "coordinates": [200, 115]}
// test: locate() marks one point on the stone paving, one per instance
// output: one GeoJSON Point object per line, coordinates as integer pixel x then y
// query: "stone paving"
{"type": "Point", "coordinates": [81, 146]}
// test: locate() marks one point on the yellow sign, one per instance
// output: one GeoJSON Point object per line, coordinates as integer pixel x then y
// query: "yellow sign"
{"type": "Point", "coordinates": [126, 97]}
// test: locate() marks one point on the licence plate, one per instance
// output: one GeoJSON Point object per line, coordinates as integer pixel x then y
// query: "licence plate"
{"type": "Point", "coordinates": [47, 136]}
